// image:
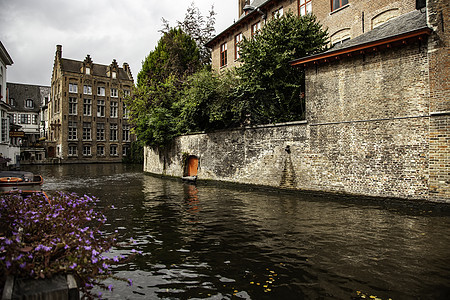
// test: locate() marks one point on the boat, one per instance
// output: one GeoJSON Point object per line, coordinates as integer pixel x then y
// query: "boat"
{"type": "Point", "coordinates": [25, 182]}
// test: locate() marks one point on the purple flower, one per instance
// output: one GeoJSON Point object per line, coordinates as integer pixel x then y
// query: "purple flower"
{"type": "Point", "coordinates": [87, 248]}
{"type": "Point", "coordinates": [8, 264]}
{"type": "Point", "coordinates": [94, 260]}
{"type": "Point", "coordinates": [73, 266]}
{"type": "Point", "coordinates": [116, 259]}
{"type": "Point", "coordinates": [8, 242]}
{"type": "Point", "coordinates": [130, 282]}
{"type": "Point", "coordinates": [110, 287]}
{"type": "Point", "coordinates": [22, 265]}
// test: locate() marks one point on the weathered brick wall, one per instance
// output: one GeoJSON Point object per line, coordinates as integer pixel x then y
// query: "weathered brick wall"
{"type": "Point", "coordinates": [367, 132]}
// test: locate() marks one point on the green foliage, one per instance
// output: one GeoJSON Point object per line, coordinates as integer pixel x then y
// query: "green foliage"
{"type": "Point", "coordinates": [271, 88]}
{"type": "Point", "coordinates": [136, 155]}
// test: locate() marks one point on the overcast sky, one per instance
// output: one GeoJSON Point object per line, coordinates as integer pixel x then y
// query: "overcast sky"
{"type": "Point", "coordinates": [125, 30]}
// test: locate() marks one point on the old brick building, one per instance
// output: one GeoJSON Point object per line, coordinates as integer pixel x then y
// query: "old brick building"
{"type": "Point", "coordinates": [377, 110]}
{"type": "Point", "coordinates": [88, 118]}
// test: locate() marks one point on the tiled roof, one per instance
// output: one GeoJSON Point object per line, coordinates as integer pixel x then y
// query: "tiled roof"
{"type": "Point", "coordinates": [74, 66]}
{"type": "Point", "coordinates": [415, 21]}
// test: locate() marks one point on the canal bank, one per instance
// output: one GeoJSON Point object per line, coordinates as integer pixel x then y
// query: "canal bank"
{"type": "Point", "coordinates": [231, 241]}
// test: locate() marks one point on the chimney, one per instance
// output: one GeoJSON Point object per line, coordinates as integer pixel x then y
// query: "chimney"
{"type": "Point", "coordinates": [241, 5]}
{"type": "Point", "coordinates": [59, 51]}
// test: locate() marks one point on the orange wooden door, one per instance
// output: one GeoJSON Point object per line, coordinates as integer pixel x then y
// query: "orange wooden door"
{"type": "Point", "coordinates": [192, 166]}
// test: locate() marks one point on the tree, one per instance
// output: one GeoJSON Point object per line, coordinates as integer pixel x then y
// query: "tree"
{"type": "Point", "coordinates": [270, 89]}
{"type": "Point", "coordinates": [154, 109]}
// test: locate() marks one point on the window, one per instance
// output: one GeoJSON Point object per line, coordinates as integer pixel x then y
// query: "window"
{"type": "Point", "coordinates": [72, 150]}
{"type": "Point", "coordinates": [237, 48]}
{"type": "Point", "coordinates": [101, 91]}
{"type": "Point", "coordinates": [73, 88]}
{"type": "Point", "coordinates": [114, 93]}
{"type": "Point", "coordinates": [114, 75]}
{"type": "Point", "coordinates": [279, 12]}
{"type": "Point", "coordinates": [12, 102]}
{"type": "Point", "coordinates": [100, 108]}
{"type": "Point", "coordinates": [88, 71]}
{"type": "Point", "coordinates": [34, 119]}
{"type": "Point", "coordinates": [72, 131]}
{"type": "Point", "coordinates": [113, 132]}
{"type": "Point", "coordinates": [126, 112]}
{"type": "Point", "coordinates": [87, 107]}
{"type": "Point", "coordinates": [86, 150]}
{"type": "Point", "coordinates": [4, 130]}
{"type": "Point", "coordinates": [125, 151]}
{"type": "Point", "coordinates": [256, 28]}
{"type": "Point", "coordinates": [29, 103]}
{"type": "Point", "coordinates": [25, 119]}
{"type": "Point", "coordinates": [305, 7]}
{"type": "Point", "coordinates": [335, 4]}
{"type": "Point", "coordinates": [100, 131]}
{"type": "Point", "coordinates": [72, 106]}
{"type": "Point", "coordinates": [126, 133]}
{"type": "Point", "coordinates": [87, 131]}
{"type": "Point", "coordinates": [113, 150]}
{"type": "Point", "coordinates": [114, 108]}
{"type": "Point", "coordinates": [126, 93]}
{"type": "Point", "coordinates": [223, 54]}
{"type": "Point", "coordinates": [87, 90]}
{"type": "Point", "coordinates": [100, 150]}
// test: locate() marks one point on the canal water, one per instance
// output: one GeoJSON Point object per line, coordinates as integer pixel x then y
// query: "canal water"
{"type": "Point", "coordinates": [218, 241]}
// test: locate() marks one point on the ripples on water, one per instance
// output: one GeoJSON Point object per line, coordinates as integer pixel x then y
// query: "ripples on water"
{"type": "Point", "coordinates": [230, 242]}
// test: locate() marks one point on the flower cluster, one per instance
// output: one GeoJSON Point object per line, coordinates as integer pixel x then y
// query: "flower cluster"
{"type": "Point", "coordinates": [39, 240]}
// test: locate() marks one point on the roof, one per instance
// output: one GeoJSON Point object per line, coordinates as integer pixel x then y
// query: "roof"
{"type": "Point", "coordinates": [22, 92]}
{"type": "Point", "coordinates": [410, 25]}
{"type": "Point", "coordinates": [74, 66]}
{"type": "Point", "coordinates": [4, 55]}
{"type": "Point", "coordinates": [254, 3]}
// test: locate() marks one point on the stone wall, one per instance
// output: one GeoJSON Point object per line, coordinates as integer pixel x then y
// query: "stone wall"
{"type": "Point", "coordinates": [368, 131]}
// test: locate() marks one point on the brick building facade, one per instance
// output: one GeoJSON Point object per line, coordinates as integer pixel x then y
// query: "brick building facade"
{"type": "Point", "coordinates": [88, 118]}
{"type": "Point", "coordinates": [377, 111]}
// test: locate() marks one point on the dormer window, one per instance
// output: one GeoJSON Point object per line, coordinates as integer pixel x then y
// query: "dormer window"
{"type": "Point", "coordinates": [29, 103]}
{"type": "Point", "coordinates": [114, 75]}
{"type": "Point", "coordinates": [88, 71]}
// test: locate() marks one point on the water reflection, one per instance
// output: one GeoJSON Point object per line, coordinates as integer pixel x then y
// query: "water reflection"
{"type": "Point", "coordinates": [223, 242]}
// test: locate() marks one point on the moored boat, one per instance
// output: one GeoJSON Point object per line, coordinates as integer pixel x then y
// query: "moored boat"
{"type": "Point", "coordinates": [26, 182]}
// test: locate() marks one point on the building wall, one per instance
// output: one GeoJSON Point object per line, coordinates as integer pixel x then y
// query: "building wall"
{"type": "Point", "coordinates": [368, 132]}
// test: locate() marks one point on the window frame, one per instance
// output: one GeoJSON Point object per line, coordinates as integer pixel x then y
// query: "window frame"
{"type": "Point", "coordinates": [101, 108]}
{"type": "Point", "coordinates": [278, 13]}
{"type": "Point", "coordinates": [237, 40]}
{"type": "Point", "coordinates": [73, 106]}
{"type": "Point", "coordinates": [87, 150]}
{"type": "Point", "coordinates": [87, 107]}
{"type": "Point", "coordinates": [304, 7]}
{"type": "Point", "coordinates": [114, 93]}
{"type": "Point", "coordinates": [113, 132]}
{"type": "Point", "coordinates": [114, 109]}
{"type": "Point", "coordinates": [101, 132]}
{"type": "Point", "coordinates": [29, 103]}
{"type": "Point", "coordinates": [87, 89]}
{"type": "Point", "coordinates": [224, 54]}
{"type": "Point", "coordinates": [72, 134]}
{"type": "Point", "coordinates": [87, 131]}
{"type": "Point", "coordinates": [73, 88]}
{"type": "Point", "coordinates": [256, 27]}
{"type": "Point", "coordinates": [340, 4]}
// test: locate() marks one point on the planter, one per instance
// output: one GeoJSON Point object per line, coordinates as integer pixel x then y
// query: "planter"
{"type": "Point", "coordinates": [60, 287]}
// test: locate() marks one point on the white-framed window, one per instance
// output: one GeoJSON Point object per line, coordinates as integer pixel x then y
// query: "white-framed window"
{"type": "Point", "coordinates": [73, 88]}
{"type": "Point", "coordinates": [87, 90]}
{"type": "Point", "coordinates": [113, 150]}
{"type": "Point", "coordinates": [126, 112]}
{"type": "Point", "coordinates": [25, 119]}
{"type": "Point", "coordinates": [100, 150]}
{"type": "Point", "coordinates": [100, 131]}
{"type": "Point", "coordinates": [87, 107]}
{"type": "Point", "coordinates": [237, 47]}
{"type": "Point", "coordinates": [101, 91]}
{"type": "Point", "coordinates": [126, 133]}
{"type": "Point", "coordinates": [86, 150]}
{"type": "Point", "coordinates": [87, 136]}
{"type": "Point", "coordinates": [114, 75]}
{"type": "Point", "coordinates": [73, 106]}
{"type": "Point", "coordinates": [100, 108]}
{"type": "Point", "coordinates": [72, 131]}
{"type": "Point", "coordinates": [114, 108]}
{"type": "Point", "coordinates": [34, 119]}
{"type": "Point", "coordinates": [126, 93]}
{"type": "Point", "coordinates": [29, 103]}
{"type": "Point", "coordinates": [88, 71]}
{"type": "Point", "coordinates": [114, 93]}
{"type": "Point", "coordinates": [72, 150]}
{"type": "Point", "coordinates": [278, 13]}
{"type": "Point", "coordinates": [113, 132]}
{"type": "Point", "coordinates": [125, 150]}
{"type": "Point", "coordinates": [4, 130]}
{"type": "Point", "coordinates": [256, 28]}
